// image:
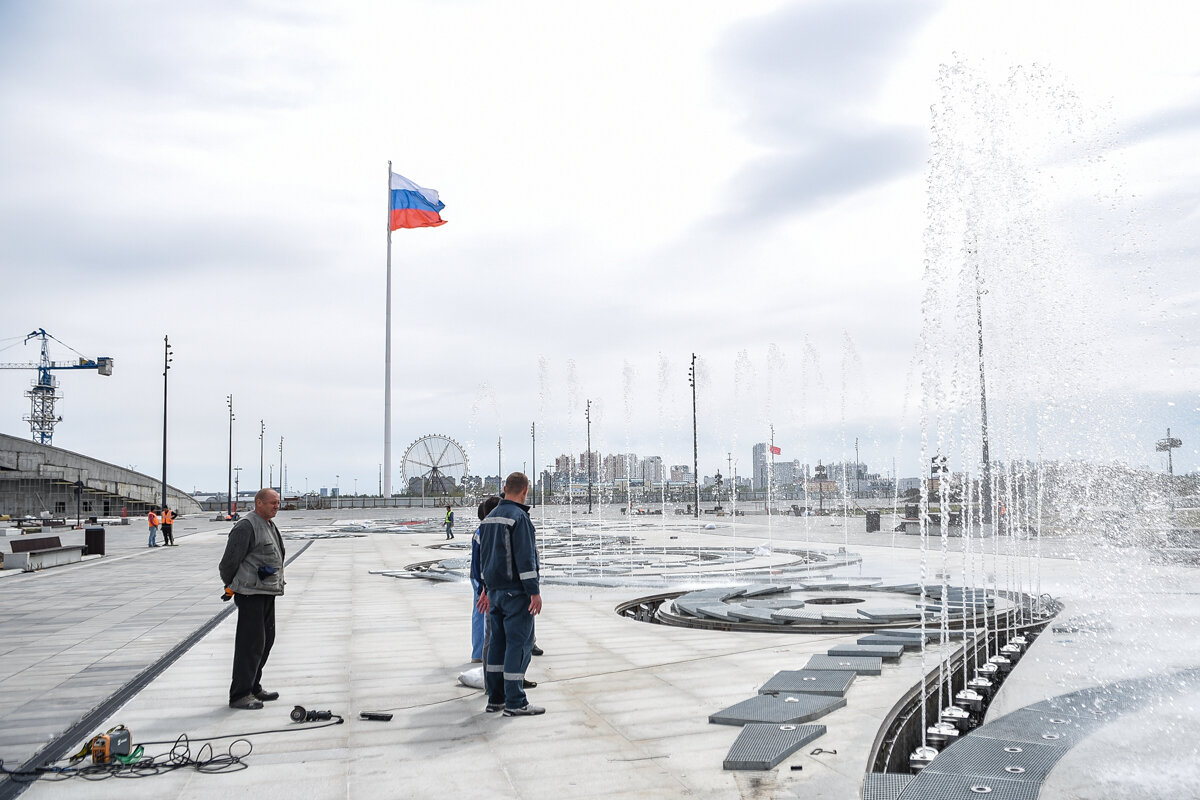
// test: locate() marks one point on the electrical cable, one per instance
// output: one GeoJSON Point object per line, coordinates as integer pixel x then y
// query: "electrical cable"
{"type": "Point", "coordinates": [138, 765]}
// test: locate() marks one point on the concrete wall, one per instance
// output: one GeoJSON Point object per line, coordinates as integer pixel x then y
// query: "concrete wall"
{"type": "Point", "coordinates": [36, 478]}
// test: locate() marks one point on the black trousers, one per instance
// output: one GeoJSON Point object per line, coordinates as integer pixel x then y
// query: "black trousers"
{"type": "Point", "coordinates": [168, 534]}
{"type": "Point", "coordinates": [252, 645]}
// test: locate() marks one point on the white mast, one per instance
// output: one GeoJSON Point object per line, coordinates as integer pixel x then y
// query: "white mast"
{"type": "Point", "coordinates": [387, 355]}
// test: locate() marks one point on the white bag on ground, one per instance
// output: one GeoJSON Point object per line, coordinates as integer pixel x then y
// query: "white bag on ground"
{"type": "Point", "coordinates": [472, 677]}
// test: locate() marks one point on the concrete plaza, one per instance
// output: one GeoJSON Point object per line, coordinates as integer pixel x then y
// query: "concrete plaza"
{"type": "Point", "coordinates": [627, 702]}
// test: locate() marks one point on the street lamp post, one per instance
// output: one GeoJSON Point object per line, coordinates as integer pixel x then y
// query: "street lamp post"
{"type": "Point", "coordinates": [166, 366]}
{"type": "Point", "coordinates": [587, 414]}
{"type": "Point", "coordinates": [695, 440]}
{"type": "Point", "coordinates": [262, 433]}
{"type": "Point", "coordinates": [237, 487]}
{"type": "Point", "coordinates": [533, 458]}
{"type": "Point", "coordinates": [1167, 445]}
{"type": "Point", "coordinates": [229, 400]}
{"type": "Point", "coordinates": [282, 488]}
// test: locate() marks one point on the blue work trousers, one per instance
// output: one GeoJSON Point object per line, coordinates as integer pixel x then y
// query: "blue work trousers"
{"type": "Point", "coordinates": [510, 628]}
{"type": "Point", "coordinates": [478, 624]}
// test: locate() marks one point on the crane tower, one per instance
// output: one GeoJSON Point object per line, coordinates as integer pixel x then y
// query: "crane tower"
{"type": "Point", "coordinates": [43, 392]}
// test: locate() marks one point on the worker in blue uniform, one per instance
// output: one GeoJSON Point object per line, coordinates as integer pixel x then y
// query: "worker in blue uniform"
{"type": "Point", "coordinates": [508, 565]}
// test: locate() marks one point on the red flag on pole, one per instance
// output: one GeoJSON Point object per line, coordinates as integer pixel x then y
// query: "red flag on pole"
{"type": "Point", "coordinates": [775, 451]}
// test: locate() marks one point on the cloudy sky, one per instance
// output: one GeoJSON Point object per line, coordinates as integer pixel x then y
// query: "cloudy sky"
{"type": "Point", "coordinates": [626, 184]}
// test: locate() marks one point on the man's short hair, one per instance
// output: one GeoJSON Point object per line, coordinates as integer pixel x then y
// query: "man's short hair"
{"type": "Point", "coordinates": [262, 494]}
{"type": "Point", "coordinates": [488, 506]}
{"type": "Point", "coordinates": [515, 483]}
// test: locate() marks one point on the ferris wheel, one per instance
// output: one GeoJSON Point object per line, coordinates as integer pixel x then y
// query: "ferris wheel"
{"type": "Point", "coordinates": [437, 461]}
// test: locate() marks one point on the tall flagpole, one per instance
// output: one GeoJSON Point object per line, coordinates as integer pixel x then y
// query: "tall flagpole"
{"type": "Point", "coordinates": [387, 356]}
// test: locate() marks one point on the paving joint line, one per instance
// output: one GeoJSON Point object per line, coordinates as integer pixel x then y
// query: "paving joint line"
{"type": "Point", "coordinates": [64, 743]}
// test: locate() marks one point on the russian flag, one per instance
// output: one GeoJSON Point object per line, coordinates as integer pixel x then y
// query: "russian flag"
{"type": "Point", "coordinates": [413, 206]}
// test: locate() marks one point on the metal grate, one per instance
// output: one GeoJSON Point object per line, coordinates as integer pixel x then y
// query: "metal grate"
{"type": "Point", "coordinates": [775, 603]}
{"type": "Point", "coordinates": [884, 785]}
{"type": "Point", "coordinates": [875, 638]}
{"type": "Point", "coordinates": [716, 611]}
{"type": "Point", "coordinates": [885, 651]}
{"type": "Point", "coordinates": [764, 746]}
{"type": "Point", "coordinates": [997, 758]}
{"type": "Point", "coordinates": [863, 665]}
{"type": "Point", "coordinates": [1039, 727]}
{"type": "Point", "coordinates": [783, 709]}
{"type": "Point", "coordinates": [797, 614]}
{"type": "Point", "coordinates": [809, 681]}
{"type": "Point", "coordinates": [889, 614]}
{"type": "Point", "coordinates": [750, 614]}
{"type": "Point", "coordinates": [765, 588]}
{"type": "Point", "coordinates": [937, 786]}
{"type": "Point", "coordinates": [909, 633]}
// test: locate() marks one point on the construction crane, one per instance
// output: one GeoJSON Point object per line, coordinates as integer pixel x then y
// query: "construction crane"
{"type": "Point", "coordinates": [43, 392]}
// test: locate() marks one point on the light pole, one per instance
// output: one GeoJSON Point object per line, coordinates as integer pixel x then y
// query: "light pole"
{"type": "Point", "coordinates": [281, 486]}
{"type": "Point", "coordinates": [262, 432]}
{"type": "Point", "coordinates": [587, 414]}
{"type": "Point", "coordinates": [1167, 445]}
{"type": "Point", "coordinates": [857, 471]}
{"type": "Point", "coordinates": [237, 488]}
{"type": "Point", "coordinates": [695, 441]}
{"type": "Point", "coordinates": [337, 489]}
{"type": "Point", "coordinates": [229, 401]}
{"type": "Point", "coordinates": [533, 458]}
{"type": "Point", "coordinates": [166, 366]}
{"type": "Point", "coordinates": [819, 473]}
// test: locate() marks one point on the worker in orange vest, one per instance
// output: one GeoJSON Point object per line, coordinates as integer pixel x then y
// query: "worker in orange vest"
{"type": "Point", "coordinates": [153, 526]}
{"type": "Point", "coordinates": [168, 522]}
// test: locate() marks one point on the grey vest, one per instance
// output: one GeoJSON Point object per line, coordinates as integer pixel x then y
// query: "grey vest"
{"type": "Point", "coordinates": [265, 551]}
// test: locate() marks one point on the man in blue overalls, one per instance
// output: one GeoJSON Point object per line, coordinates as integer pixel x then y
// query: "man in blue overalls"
{"type": "Point", "coordinates": [508, 564]}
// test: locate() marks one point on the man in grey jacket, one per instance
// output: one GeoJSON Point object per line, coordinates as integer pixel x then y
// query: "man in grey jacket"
{"type": "Point", "coordinates": [252, 568]}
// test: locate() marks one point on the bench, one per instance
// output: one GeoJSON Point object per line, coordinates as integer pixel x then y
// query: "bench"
{"type": "Point", "coordinates": [44, 551]}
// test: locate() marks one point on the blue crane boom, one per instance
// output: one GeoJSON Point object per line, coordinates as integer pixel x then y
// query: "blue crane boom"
{"type": "Point", "coordinates": [43, 392]}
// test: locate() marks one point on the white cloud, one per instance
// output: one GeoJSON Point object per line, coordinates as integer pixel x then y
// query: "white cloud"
{"type": "Point", "coordinates": [624, 183]}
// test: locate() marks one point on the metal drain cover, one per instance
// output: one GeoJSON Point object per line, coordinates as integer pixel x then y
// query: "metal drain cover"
{"type": "Point", "coordinates": [751, 614]}
{"type": "Point", "coordinates": [985, 757]}
{"type": "Point", "coordinates": [937, 786]}
{"type": "Point", "coordinates": [863, 665]}
{"type": "Point", "coordinates": [1025, 725]}
{"type": "Point", "coordinates": [809, 681]}
{"type": "Point", "coordinates": [764, 746]}
{"type": "Point", "coordinates": [875, 638]}
{"type": "Point", "coordinates": [783, 709]}
{"type": "Point", "coordinates": [884, 785]}
{"type": "Point", "coordinates": [885, 651]}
